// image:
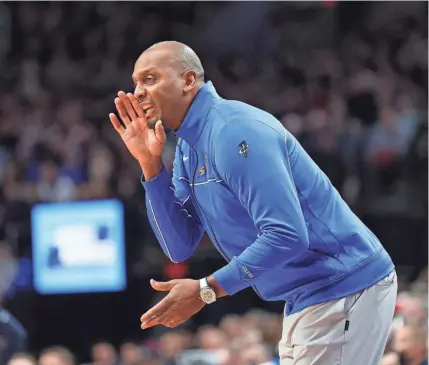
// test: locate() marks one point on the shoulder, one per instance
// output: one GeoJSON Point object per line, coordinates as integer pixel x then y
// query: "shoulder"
{"type": "Point", "coordinates": [231, 116]}
{"type": "Point", "coordinates": [252, 139]}
{"type": "Point", "coordinates": [229, 110]}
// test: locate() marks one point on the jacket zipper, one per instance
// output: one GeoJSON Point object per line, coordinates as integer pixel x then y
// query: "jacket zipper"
{"type": "Point", "coordinates": [207, 220]}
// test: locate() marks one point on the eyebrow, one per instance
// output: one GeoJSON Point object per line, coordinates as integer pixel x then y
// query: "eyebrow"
{"type": "Point", "coordinates": [143, 72]}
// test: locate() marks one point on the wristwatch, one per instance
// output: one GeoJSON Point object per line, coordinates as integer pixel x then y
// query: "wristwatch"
{"type": "Point", "coordinates": [207, 293]}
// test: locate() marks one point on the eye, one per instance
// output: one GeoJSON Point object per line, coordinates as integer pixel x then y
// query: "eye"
{"type": "Point", "coordinates": [150, 79]}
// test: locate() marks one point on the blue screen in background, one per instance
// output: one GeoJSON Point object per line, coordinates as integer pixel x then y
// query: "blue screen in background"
{"type": "Point", "coordinates": [78, 247]}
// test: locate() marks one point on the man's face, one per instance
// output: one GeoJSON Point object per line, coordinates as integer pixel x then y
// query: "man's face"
{"type": "Point", "coordinates": [159, 88]}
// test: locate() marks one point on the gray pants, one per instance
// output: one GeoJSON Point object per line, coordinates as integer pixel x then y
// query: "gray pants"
{"type": "Point", "coordinates": [348, 331]}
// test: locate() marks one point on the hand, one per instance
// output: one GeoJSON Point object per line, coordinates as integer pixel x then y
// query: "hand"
{"type": "Point", "coordinates": [144, 143]}
{"type": "Point", "coordinates": [178, 306]}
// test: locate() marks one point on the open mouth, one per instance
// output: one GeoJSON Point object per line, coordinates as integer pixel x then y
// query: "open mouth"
{"type": "Point", "coordinates": [148, 110]}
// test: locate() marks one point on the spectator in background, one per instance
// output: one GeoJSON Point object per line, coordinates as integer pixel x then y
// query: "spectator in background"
{"type": "Point", "coordinates": [22, 359]}
{"type": "Point", "coordinates": [257, 354]}
{"type": "Point", "coordinates": [211, 338]}
{"type": "Point", "coordinates": [57, 355]}
{"type": "Point", "coordinates": [386, 143]}
{"type": "Point", "coordinates": [171, 345]}
{"type": "Point", "coordinates": [390, 358]}
{"type": "Point", "coordinates": [130, 353]}
{"type": "Point", "coordinates": [103, 353]}
{"type": "Point", "coordinates": [410, 342]}
{"type": "Point", "coordinates": [13, 336]}
{"type": "Point", "coordinates": [52, 186]}
{"type": "Point", "coordinates": [231, 357]}
{"type": "Point", "coordinates": [411, 309]}
{"type": "Point", "coordinates": [232, 325]}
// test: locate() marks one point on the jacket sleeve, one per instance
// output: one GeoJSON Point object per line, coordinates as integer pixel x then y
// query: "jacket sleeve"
{"type": "Point", "coordinates": [171, 213]}
{"type": "Point", "coordinates": [252, 159]}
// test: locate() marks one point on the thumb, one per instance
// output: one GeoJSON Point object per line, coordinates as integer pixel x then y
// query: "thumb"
{"type": "Point", "coordinates": [160, 132]}
{"type": "Point", "coordinates": [163, 285]}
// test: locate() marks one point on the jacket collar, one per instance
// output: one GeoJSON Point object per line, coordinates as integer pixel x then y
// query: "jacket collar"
{"type": "Point", "coordinates": [193, 124]}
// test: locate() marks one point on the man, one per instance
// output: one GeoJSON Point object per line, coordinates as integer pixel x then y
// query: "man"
{"type": "Point", "coordinates": [243, 179]}
{"type": "Point", "coordinates": [57, 355]}
{"type": "Point", "coordinates": [13, 336]}
{"type": "Point", "coordinates": [410, 342]}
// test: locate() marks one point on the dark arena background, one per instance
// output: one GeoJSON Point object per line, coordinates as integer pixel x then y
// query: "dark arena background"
{"type": "Point", "coordinates": [348, 79]}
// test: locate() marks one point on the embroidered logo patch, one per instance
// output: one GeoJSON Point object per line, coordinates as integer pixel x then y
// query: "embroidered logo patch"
{"type": "Point", "coordinates": [243, 148]}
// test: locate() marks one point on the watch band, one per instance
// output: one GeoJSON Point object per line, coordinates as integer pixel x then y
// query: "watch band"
{"type": "Point", "coordinates": [204, 284]}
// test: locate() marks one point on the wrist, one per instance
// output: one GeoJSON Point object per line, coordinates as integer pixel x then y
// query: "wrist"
{"type": "Point", "coordinates": [151, 169]}
{"type": "Point", "coordinates": [216, 287]}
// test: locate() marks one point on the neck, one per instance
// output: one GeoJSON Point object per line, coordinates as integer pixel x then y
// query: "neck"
{"type": "Point", "coordinates": [203, 99]}
{"type": "Point", "coordinates": [188, 106]}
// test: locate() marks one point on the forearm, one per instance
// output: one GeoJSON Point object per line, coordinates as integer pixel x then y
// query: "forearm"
{"type": "Point", "coordinates": [176, 230]}
{"type": "Point", "coordinates": [150, 170]}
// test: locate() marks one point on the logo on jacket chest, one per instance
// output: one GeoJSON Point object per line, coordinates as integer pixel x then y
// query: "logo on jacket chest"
{"type": "Point", "coordinates": [203, 169]}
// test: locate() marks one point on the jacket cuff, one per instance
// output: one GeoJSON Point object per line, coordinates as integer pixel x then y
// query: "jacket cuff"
{"type": "Point", "coordinates": [229, 278]}
{"type": "Point", "coordinates": [158, 184]}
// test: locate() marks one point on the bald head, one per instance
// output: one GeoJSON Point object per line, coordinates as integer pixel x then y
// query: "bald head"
{"type": "Point", "coordinates": [167, 77]}
{"type": "Point", "coordinates": [181, 56]}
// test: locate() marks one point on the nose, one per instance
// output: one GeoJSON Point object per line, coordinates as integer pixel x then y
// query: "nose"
{"type": "Point", "coordinates": [140, 92]}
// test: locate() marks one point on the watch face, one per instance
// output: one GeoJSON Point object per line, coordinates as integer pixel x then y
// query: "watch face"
{"type": "Point", "coordinates": [208, 296]}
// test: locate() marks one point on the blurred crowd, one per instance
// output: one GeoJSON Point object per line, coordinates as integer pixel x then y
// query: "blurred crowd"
{"type": "Point", "coordinates": [357, 102]}
{"type": "Point", "coordinates": [349, 81]}
{"type": "Point", "coordinates": [250, 339]}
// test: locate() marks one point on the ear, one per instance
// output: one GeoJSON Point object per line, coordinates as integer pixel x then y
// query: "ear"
{"type": "Point", "coordinates": [190, 80]}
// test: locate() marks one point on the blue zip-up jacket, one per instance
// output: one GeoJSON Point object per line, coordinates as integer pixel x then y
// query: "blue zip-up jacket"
{"type": "Point", "coordinates": [240, 176]}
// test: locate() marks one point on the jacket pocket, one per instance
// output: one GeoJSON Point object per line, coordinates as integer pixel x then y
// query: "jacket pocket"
{"type": "Point", "coordinates": [328, 245]}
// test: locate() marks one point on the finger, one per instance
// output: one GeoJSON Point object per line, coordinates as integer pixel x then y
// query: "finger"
{"type": "Point", "coordinates": [150, 323]}
{"type": "Point", "coordinates": [122, 112]}
{"type": "Point", "coordinates": [136, 105]}
{"type": "Point", "coordinates": [160, 132]}
{"type": "Point", "coordinates": [157, 310]}
{"type": "Point", "coordinates": [163, 286]}
{"type": "Point", "coordinates": [128, 107]}
{"type": "Point", "coordinates": [164, 319]}
{"type": "Point", "coordinates": [115, 122]}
